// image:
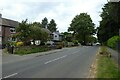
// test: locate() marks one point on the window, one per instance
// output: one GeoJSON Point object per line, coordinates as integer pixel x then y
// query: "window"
{"type": "Point", "coordinates": [12, 30]}
{"type": "Point", "coordinates": [12, 39]}
{"type": "Point", "coordinates": [55, 35]}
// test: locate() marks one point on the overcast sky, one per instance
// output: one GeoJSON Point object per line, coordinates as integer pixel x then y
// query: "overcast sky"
{"type": "Point", "coordinates": [62, 11]}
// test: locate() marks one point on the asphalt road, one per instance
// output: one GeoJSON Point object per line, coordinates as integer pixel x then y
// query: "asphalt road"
{"type": "Point", "coordinates": [68, 63]}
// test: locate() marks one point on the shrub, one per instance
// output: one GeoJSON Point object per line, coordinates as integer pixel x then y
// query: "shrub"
{"type": "Point", "coordinates": [75, 42]}
{"type": "Point", "coordinates": [19, 44]}
{"type": "Point", "coordinates": [31, 49]}
{"type": "Point", "coordinates": [10, 43]}
{"type": "Point", "coordinates": [112, 42]}
{"type": "Point", "coordinates": [104, 51]}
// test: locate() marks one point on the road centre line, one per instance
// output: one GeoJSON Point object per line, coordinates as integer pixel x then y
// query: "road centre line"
{"type": "Point", "coordinates": [55, 59]}
{"type": "Point", "coordinates": [10, 75]}
{"type": "Point", "coordinates": [75, 52]}
{"type": "Point", "coordinates": [58, 58]}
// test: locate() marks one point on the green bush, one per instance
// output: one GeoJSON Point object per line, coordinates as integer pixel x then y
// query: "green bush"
{"type": "Point", "coordinates": [75, 42]}
{"type": "Point", "coordinates": [28, 50]}
{"type": "Point", "coordinates": [112, 42]}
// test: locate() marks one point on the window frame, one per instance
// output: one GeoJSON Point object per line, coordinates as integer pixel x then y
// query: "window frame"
{"type": "Point", "coordinates": [14, 31]}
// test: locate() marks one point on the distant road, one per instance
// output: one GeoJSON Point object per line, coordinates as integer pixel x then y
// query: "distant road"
{"type": "Point", "coordinates": [68, 63]}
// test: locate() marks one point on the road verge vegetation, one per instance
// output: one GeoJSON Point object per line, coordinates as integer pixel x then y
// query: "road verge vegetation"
{"type": "Point", "coordinates": [30, 49]}
{"type": "Point", "coordinates": [106, 66]}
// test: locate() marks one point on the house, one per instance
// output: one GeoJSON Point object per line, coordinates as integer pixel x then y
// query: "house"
{"type": "Point", "coordinates": [7, 28]}
{"type": "Point", "coordinates": [55, 37]}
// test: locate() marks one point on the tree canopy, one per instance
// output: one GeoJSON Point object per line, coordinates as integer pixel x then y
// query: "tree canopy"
{"type": "Point", "coordinates": [110, 23]}
{"type": "Point", "coordinates": [44, 23]}
{"type": "Point", "coordinates": [23, 31]}
{"type": "Point", "coordinates": [52, 25]}
{"type": "Point", "coordinates": [82, 26]}
{"type": "Point", "coordinates": [30, 31]}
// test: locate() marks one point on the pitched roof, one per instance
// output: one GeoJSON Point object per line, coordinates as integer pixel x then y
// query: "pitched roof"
{"type": "Point", "coordinates": [46, 30]}
{"type": "Point", "coordinates": [8, 22]}
{"type": "Point", "coordinates": [57, 32]}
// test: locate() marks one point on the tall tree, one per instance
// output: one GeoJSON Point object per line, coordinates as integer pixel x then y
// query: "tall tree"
{"type": "Point", "coordinates": [110, 24]}
{"type": "Point", "coordinates": [23, 31]}
{"type": "Point", "coordinates": [44, 23]}
{"type": "Point", "coordinates": [82, 25]}
{"type": "Point", "coordinates": [52, 25]}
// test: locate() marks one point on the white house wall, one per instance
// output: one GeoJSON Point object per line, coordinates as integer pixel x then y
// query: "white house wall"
{"type": "Point", "coordinates": [55, 36]}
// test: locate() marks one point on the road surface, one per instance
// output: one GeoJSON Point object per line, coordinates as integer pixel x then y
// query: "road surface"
{"type": "Point", "coordinates": [72, 62]}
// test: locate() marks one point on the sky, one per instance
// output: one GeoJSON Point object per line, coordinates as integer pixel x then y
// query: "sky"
{"type": "Point", "coordinates": [62, 11]}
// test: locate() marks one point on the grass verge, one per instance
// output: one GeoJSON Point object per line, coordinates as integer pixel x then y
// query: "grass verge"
{"type": "Point", "coordinates": [106, 66]}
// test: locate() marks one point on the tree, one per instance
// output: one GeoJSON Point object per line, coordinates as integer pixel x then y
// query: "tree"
{"type": "Point", "coordinates": [110, 23]}
{"type": "Point", "coordinates": [44, 36]}
{"type": "Point", "coordinates": [36, 24]}
{"type": "Point", "coordinates": [52, 25]}
{"type": "Point", "coordinates": [92, 39]}
{"type": "Point", "coordinates": [82, 25]}
{"type": "Point", "coordinates": [113, 41]}
{"type": "Point", "coordinates": [30, 31]}
{"type": "Point", "coordinates": [23, 31]}
{"type": "Point", "coordinates": [68, 36]}
{"type": "Point", "coordinates": [44, 23]}
{"type": "Point", "coordinates": [37, 34]}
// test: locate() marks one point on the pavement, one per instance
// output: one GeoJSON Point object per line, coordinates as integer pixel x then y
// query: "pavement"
{"type": "Point", "coordinates": [72, 62]}
{"type": "Point", "coordinates": [115, 55]}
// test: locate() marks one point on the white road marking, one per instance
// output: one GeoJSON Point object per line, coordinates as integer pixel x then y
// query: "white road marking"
{"type": "Point", "coordinates": [55, 59]}
{"type": "Point", "coordinates": [75, 52]}
{"type": "Point", "coordinates": [10, 75]}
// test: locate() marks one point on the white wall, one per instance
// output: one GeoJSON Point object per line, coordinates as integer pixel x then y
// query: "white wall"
{"type": "Point", "coordinates": [55, 36]}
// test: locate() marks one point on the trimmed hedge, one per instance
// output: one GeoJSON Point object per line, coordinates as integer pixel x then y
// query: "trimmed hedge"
{"type": "Point", "coordinates": [28, 50]}
{"type": "Point", "coordinates": [112, 42]}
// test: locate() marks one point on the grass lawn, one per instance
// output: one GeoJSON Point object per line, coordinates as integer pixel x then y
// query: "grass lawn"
{"type": "Point", "coordinates": [107, 67]}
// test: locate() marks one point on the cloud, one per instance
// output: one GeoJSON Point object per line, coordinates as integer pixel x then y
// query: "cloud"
{"type": "Point", "coordinates": [62, 11]}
